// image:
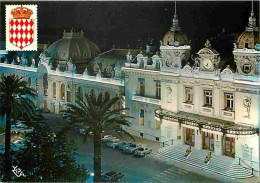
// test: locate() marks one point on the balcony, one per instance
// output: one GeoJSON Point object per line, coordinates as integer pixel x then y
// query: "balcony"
{"type": "Point", "coordinates": [146, 100]}
{"type": "Point", "coordinates": [207, 109]}
{"type": "Point", "coordinates": [228, 114]}
{"type": "Point", "coordinates": [187, 106]}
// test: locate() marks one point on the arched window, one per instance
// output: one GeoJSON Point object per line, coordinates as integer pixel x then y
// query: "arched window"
{"type": "Point", "coordinates": [30, 82]}
{"type": "Point", "coordinates": [106, 94]}
{"type": "Point", "coordinates": [62, 92]}
{"type": "Point", "coordinates": [108, 72]}
{"type": "Point", "coordinates": [79, 94]}
{"type": "Point", "coordinates": [54, 90]}
{"type": "Point", "coordinates": [92, 92]}
{"type": "Point", "coordinates": [36, 86]}
{"type": "Point", "coordinates": [45, 84]}
{"type": "Point", "coordinates": [95, 69]}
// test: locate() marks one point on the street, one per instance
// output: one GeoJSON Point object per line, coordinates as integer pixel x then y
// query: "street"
{"type": "Point", "coordinates": [136, 169]}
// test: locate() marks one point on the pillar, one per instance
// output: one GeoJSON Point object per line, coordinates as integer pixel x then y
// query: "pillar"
{"type": "Point", "coordinates": [198, 139]}
{"type": "Point", "coordinates": [218, 146]}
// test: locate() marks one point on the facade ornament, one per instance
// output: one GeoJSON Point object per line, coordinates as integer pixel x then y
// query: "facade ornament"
{"type": "Point", "coordinates": [98, 74]}
{"type": "Point", "coordinates": [33, 63]}
{"type": "Point", "coordinates": [176, 44]}
{"type": "Point", "coordinates": [129, 57]}
{"type": "Point", "coordinates": [247, 105]}
{"type": "Point", "coordinates": [86, 73]}
{"type": "Point", "coordinates": [169, 94]}
{"type": "Point", "coordinates": [161, 42]}
{"type": "Point", "coordinates": [196, 60]}
{"type": "Point", "coordinates": [208, 44]}
{"type": "Point", "coordinates": [235, 46]}
{"type": "Point", "coordinates": [13, 62]}
{"type": "Point", "coordinates": [6, 61]}
{"type": "Point", "coordinates": [117, 72]}
{"type": "Point", "coordinates": [58, 68]}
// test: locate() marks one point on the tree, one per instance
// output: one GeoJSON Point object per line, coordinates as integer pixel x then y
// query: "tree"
{"type": "Point", "coordinates": [47, 157]}
{"type": "Point", "coordinates": [14, 100]}
{"type": "Point", "coordinates": [95, 115]}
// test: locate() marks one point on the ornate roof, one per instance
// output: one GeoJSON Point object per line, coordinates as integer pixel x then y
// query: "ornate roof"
{"type": "Point", "coordinates": [208, 50]}
{"type": "Point", "coordinates": [175, 36]}
{"type": "Point", "coordinates": [247, 39]}
{"type": "Point", "coordinates": [73, 46]}
{"type": "Point", "coordinates": [250, 37]}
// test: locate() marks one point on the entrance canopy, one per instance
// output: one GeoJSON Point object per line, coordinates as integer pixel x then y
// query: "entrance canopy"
{"type": "Point", "coordinates": [202, 122]}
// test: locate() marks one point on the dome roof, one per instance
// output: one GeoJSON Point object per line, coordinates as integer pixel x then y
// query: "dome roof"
{"type": "Point", "coordinates": [175, 35]}
{"type": "Point", "coordinates": [73, 46]}
{"type": "Point", "coordinates": [248, 39]}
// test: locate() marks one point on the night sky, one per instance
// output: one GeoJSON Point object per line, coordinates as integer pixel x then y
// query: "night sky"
{"type": "Point", "coordinates": [123, 23]}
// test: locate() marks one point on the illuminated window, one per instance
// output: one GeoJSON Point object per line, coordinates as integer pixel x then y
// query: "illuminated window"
{"type": "Point", "coordinates": [188, 95]}
{"type": "Point", "coordinates": [95, 69]}
{"type": "Point", "coordinates": [141, 117]}
{"type": "Point", "coordinates": [54, 90]}
{"type": "Point", "coordinates": [62, 92]}
{"type": "Point", "coordinates": [208, 98]}
{"type": "Point", "coordinates": [108, 72]}
{"type": "Point", "coordinates": [247, 68]}
{"type": "Point", "coordinates": [141, 86]}
{"type": "Point", "coordinates": [229, 101]}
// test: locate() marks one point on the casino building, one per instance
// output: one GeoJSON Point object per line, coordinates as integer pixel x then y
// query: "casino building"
{"type": "Point", "coordinates": [201, 114]}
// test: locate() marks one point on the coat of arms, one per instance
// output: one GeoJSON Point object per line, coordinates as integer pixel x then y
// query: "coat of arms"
{"type": "Point", "coordinates": [21, 27]}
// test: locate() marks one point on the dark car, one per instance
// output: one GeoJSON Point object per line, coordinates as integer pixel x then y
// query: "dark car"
{"type": "Point", "coordinates": [112, 176]}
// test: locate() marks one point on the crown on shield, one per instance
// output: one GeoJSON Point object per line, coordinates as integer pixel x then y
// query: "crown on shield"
{"type": "Point", "coordinates": [21, 13]}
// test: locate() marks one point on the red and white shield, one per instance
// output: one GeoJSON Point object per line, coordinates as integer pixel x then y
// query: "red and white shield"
{"type": "Point", "coordinates": [21, 32]}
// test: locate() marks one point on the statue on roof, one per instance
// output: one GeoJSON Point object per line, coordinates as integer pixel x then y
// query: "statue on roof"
{"type": "Point", "coordinates": [207, 44]}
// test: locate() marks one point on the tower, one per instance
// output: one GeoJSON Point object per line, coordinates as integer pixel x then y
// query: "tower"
{"type": "Point", "coordinates": [246, 51]}
{"type": "Point", "coordinates": [174, 47]}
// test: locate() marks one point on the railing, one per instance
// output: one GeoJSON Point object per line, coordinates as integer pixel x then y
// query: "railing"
{"type": "Point", "coordinates": [248, 166]}
{"type": "Point", "coordinates": [166, 143]}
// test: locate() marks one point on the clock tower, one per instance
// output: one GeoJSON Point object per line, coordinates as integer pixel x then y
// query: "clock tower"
{"type": "Point", "coordinates": [208, 58]}
{"type": "Point", "coordinates": [175, 48]}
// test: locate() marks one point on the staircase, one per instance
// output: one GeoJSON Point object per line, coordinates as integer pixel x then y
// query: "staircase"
{"type": "Point", "coordinates": [220, 165]}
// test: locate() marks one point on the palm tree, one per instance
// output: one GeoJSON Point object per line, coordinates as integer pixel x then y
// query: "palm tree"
{"type": "Point", "coordinates": [14, 101]}
{"type": "Point", "coordinates": [95, 115]}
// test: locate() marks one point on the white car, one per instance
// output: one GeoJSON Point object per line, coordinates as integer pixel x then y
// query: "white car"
{"type": "Point", "coordinates": [114, 143]}
{"type": "Point", "coordinates": [20, 143]}
{"type": "Point", "coordinates": [142, 151]}
{"type": "Point", "coordinates": [108, 138]}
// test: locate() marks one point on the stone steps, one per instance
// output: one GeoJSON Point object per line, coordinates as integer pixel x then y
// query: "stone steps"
{"type": "Point", "coordinates": [220, 165]}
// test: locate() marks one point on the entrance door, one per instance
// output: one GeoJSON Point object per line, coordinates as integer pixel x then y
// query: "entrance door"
{"type": "Point", "coordinates": [189, 136]}
{"type": "Point", "coordinates": [208, 141]}
{"type": "Point", "coordinates": [229, 144]}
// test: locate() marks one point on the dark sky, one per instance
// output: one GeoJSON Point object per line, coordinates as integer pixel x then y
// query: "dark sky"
{"type": "Point", "coordinates": [123, 23]}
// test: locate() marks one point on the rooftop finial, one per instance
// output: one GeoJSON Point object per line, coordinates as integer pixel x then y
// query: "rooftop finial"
{"type": "Point", "coordinates": [252, 20]}
{"type": "Point", "coordinates": [175, 21]}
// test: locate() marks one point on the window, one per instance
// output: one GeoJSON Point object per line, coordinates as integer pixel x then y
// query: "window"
{"type": "Point", "coordinates": [30, 82]}
{"type": "Point", "coordinates": [141, 134]}
{"type": "Point", "coordinates": [157, 124]}
{"type": "Point", "coordinates": [54, 90]}
{"type": "Point", "coordinates": [229, 101]}
{"type": "Point", "coordinates": [141, 117]}
{"type": "Point", "coordinates": [108, 72]}
{"type": "Point", "coordinates": [247, 68]}
{"type": "Point", "coordinates": [96, 69]}
{"type": "Point", "coordinates": [246, 45]}
{"type": "Point", "coordinates": [158, 90]}
{"type": "Point", "coordinates": [62, 90]}
{"type": "Point", "coordinates": [208, 98]}
{"type": "Point", "coordinates": [157, 138]}
{"type": "Point", "coordinates": [141, 86]}
{"type": "Point", "coordinates": [189, 95]}
{"type": "Point", "coordinates": [68, 96]}
{"type": "Point", "coordinates": [92, 92]}
{"type": "Point", "coordinates": [36, 85]}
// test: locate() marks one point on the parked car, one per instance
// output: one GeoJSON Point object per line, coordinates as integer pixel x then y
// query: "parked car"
{"type": "Point", "coordinates": [132, 147]}
{"type": "Point", "coordinates": [142, 151]}
{"type": "Point", "coordinates": [114, 143]}
{"type": "Point", "coordinates": [20, 143]}
{"type": "Point", "coordinates": [13, 148]}
{"type": "Point", "coordinates": [112, 176]}
{"type": "Point", "coordinates": [107, 138]}
{"type": "Point", "coordinates": [123, 144]}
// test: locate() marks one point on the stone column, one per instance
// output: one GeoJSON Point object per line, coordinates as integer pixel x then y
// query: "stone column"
{"type": "Point", "coordinates": [198, 140]}
{"type": "Point", "coordinates": [57, 106]}
{"type": "Point", "coordinates": [218, 146]}
{"type": "Point", "coordinates": [49, 98]}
